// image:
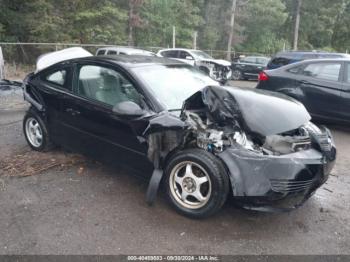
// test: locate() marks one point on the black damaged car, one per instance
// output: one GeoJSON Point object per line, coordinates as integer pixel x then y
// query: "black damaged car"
{"type": "Point", "coordinates": [202, 142]}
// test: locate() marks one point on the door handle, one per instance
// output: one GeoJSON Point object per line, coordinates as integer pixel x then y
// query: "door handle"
{"type": "Point", "coordinates": [72, 111]}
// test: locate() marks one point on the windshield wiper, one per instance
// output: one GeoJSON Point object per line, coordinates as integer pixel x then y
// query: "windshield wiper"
{"type": "Point", "coordinates": [174, 110]}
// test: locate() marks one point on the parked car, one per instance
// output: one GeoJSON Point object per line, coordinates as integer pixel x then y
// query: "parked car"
{"type": "Point", "coordinates": [176, 125]}
{"type": "Point", "coordinates": [288, 57]}
{"type": "Point", "coordinates": [115, 50]}
{"type": "Point", "coordinates": [218, 69]}
{"type": "Point", "coordinates": [322, 85]}
{"type": "Point", "coordinates": [249, 67]}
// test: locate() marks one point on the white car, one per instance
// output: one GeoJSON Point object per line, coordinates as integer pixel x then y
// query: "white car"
{"type": "Point", "coordinates": [217, 69]}
{"type": "Point", "coordinates": [116, 50]}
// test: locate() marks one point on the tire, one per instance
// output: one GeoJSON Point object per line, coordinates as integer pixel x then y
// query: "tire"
{"type": "Point", "coordinates": [34, 128]}
{"type": "Point", "coordinates": [206, 178]}
{"type": "Point", "coordinates": [236, 75]}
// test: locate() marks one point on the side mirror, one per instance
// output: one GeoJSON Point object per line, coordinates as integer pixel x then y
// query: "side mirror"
{"type": "Point", "coordinates": [129, 109]}
{"type": "Point", "coordinates": [189, 57]}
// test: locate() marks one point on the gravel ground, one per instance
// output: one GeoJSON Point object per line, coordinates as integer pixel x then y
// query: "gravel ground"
{"type": "Point", "coordinates": [59, 203]}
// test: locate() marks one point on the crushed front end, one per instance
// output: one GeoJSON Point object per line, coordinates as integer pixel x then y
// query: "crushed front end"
{"type": "Point", "coordinates": [280, 181]}
{"type": "Point", "coordinates": [275, 162]}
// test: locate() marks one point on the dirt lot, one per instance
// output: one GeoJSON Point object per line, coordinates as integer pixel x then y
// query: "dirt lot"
{"type": "Point", "coordinates": [61, 203]}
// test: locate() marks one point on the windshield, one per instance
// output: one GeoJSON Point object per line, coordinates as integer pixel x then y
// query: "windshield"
{"type": "Point", "coordinates": [172, 85]}
{"type": "Point", "coordinates": [200, 55]}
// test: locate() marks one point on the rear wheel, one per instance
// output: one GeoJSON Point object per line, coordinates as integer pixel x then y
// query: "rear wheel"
{"type": "Point", "coordinates": [196, 182]}
{"type": "Point", "coordinates": [236, 75]}
{"type": "Point", "coordinates": [35, 132]}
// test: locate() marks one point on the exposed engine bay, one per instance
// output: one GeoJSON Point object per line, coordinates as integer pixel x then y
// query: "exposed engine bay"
{"type": "Point", "coordinates": [214, 138]}
{"type": "Point", "coordinates": [217, 71]}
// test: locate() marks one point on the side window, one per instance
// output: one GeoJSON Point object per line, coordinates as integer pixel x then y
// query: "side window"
{"type": "Point", "coordinates": [170, 53]}
{"type": "Point", "coordinates": [183, 54]}
{"type": "Point", "coordinates": [58, 77]}
{"type": "Point", "coordinates": [111, 52]}
{"type": "Point", "coordinates": [107, 86]}
{"type": "Point", "coordinates": [101, 52]}
{"type": "Point", "coordinates": [326, 71]}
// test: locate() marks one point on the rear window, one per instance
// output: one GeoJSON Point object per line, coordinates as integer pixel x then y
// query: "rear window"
{"type": "Point", "coordinates": [251, 60]}
{"type": "Point", "coordinates": [57, 78]}
{"type": "Point", "coordinates": [280, 61]}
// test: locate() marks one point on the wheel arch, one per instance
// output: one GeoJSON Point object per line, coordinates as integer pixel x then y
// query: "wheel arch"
{"type": "Point", "coordinates": [234, 173]}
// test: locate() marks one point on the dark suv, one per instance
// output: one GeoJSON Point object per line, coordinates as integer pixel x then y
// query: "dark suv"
{"type": "Point", "coordinates": [288, 57]}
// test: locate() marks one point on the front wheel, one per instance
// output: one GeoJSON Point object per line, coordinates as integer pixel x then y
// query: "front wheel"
{"type": "Point", "coordinates": [196, 183]}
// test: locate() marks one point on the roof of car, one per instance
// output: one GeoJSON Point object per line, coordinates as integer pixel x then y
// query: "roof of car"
{"type": "Point", "coordinates": [292, 54]}
{"type": "Point", "coordinates": [121, 48]}
{"type": "Point", "coordinates": [179, 49]}
{"type": "Point", "coordinates": [133, 61]}
{"type": "Point", "coordinates": [314, 60]}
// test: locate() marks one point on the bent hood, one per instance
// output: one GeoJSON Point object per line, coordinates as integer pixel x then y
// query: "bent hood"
{"type": "Point", "coordinates": [217, 61]}
{"type": "Point", "coordinates": [262, 112]}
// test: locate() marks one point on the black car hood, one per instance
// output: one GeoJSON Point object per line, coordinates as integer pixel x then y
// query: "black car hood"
{"type": "Point", "coordinates": [261, 112]}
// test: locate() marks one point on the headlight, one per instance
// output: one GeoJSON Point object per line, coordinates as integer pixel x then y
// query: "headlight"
{"type": "Point", "coordinates": [311, 127]}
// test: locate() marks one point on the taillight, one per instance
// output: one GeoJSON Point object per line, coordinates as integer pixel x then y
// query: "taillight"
{"type": "Point", "coordinates": [263, 76]}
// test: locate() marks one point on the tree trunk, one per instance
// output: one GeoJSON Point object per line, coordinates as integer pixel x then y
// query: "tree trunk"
{"type": "Point", "coordinates": [131, 14]}
{"type": "Point", "coordinates": [296, 25]}
{"type": "Point", "coordinates": [230, 35]}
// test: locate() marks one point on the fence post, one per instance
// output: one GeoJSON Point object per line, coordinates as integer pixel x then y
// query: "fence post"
{"type": "Point", "coordinates": [2, 65]}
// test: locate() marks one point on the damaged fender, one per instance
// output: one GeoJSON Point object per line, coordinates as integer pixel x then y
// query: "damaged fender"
{"type": "Point", "coordinates": [163, 135]}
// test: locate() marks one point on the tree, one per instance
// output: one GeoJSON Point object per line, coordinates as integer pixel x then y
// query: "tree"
{"type": "Point", "coordinates": [162, 15]}
{"type": "Point", "coordinates": [296, 24]}
{"type": "Point", "coordinates": [263, 26]}
{"type": "Point", "coordinates": [134, 18]}
{"type": "Point", "coordinates": [341, 35]}
{"type": "Point", "coordinates": [230, 35]}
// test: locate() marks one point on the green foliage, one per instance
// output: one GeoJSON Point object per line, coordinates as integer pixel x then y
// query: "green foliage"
{"type": "Point", "coordinates": [161, 15]}
{"type": "Point", "coordinates": [260, 26]}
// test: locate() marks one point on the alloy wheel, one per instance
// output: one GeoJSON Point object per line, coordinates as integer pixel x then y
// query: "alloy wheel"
{"type": "Point", "coordinates": [34, 132]}
{"type": "Point", "coordinates": [190, 185]}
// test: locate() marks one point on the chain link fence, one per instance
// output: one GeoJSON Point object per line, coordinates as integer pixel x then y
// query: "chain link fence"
{"type": "Point", "coordinates": [20, 58]}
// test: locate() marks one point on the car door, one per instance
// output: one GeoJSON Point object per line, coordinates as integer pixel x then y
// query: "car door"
{"type": "Point", "coordinates": [90, 125]}
{"type": "Point", "coordinates": [321, 85]}
{"type": "Point", "coordinates": [344, 105]}
{"type": "Point", "coordinates": [186, 57]}
{"type": "Point", "coordinates": [53, 85]}
{"type": "Point", "coordinates": [248, 67]}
